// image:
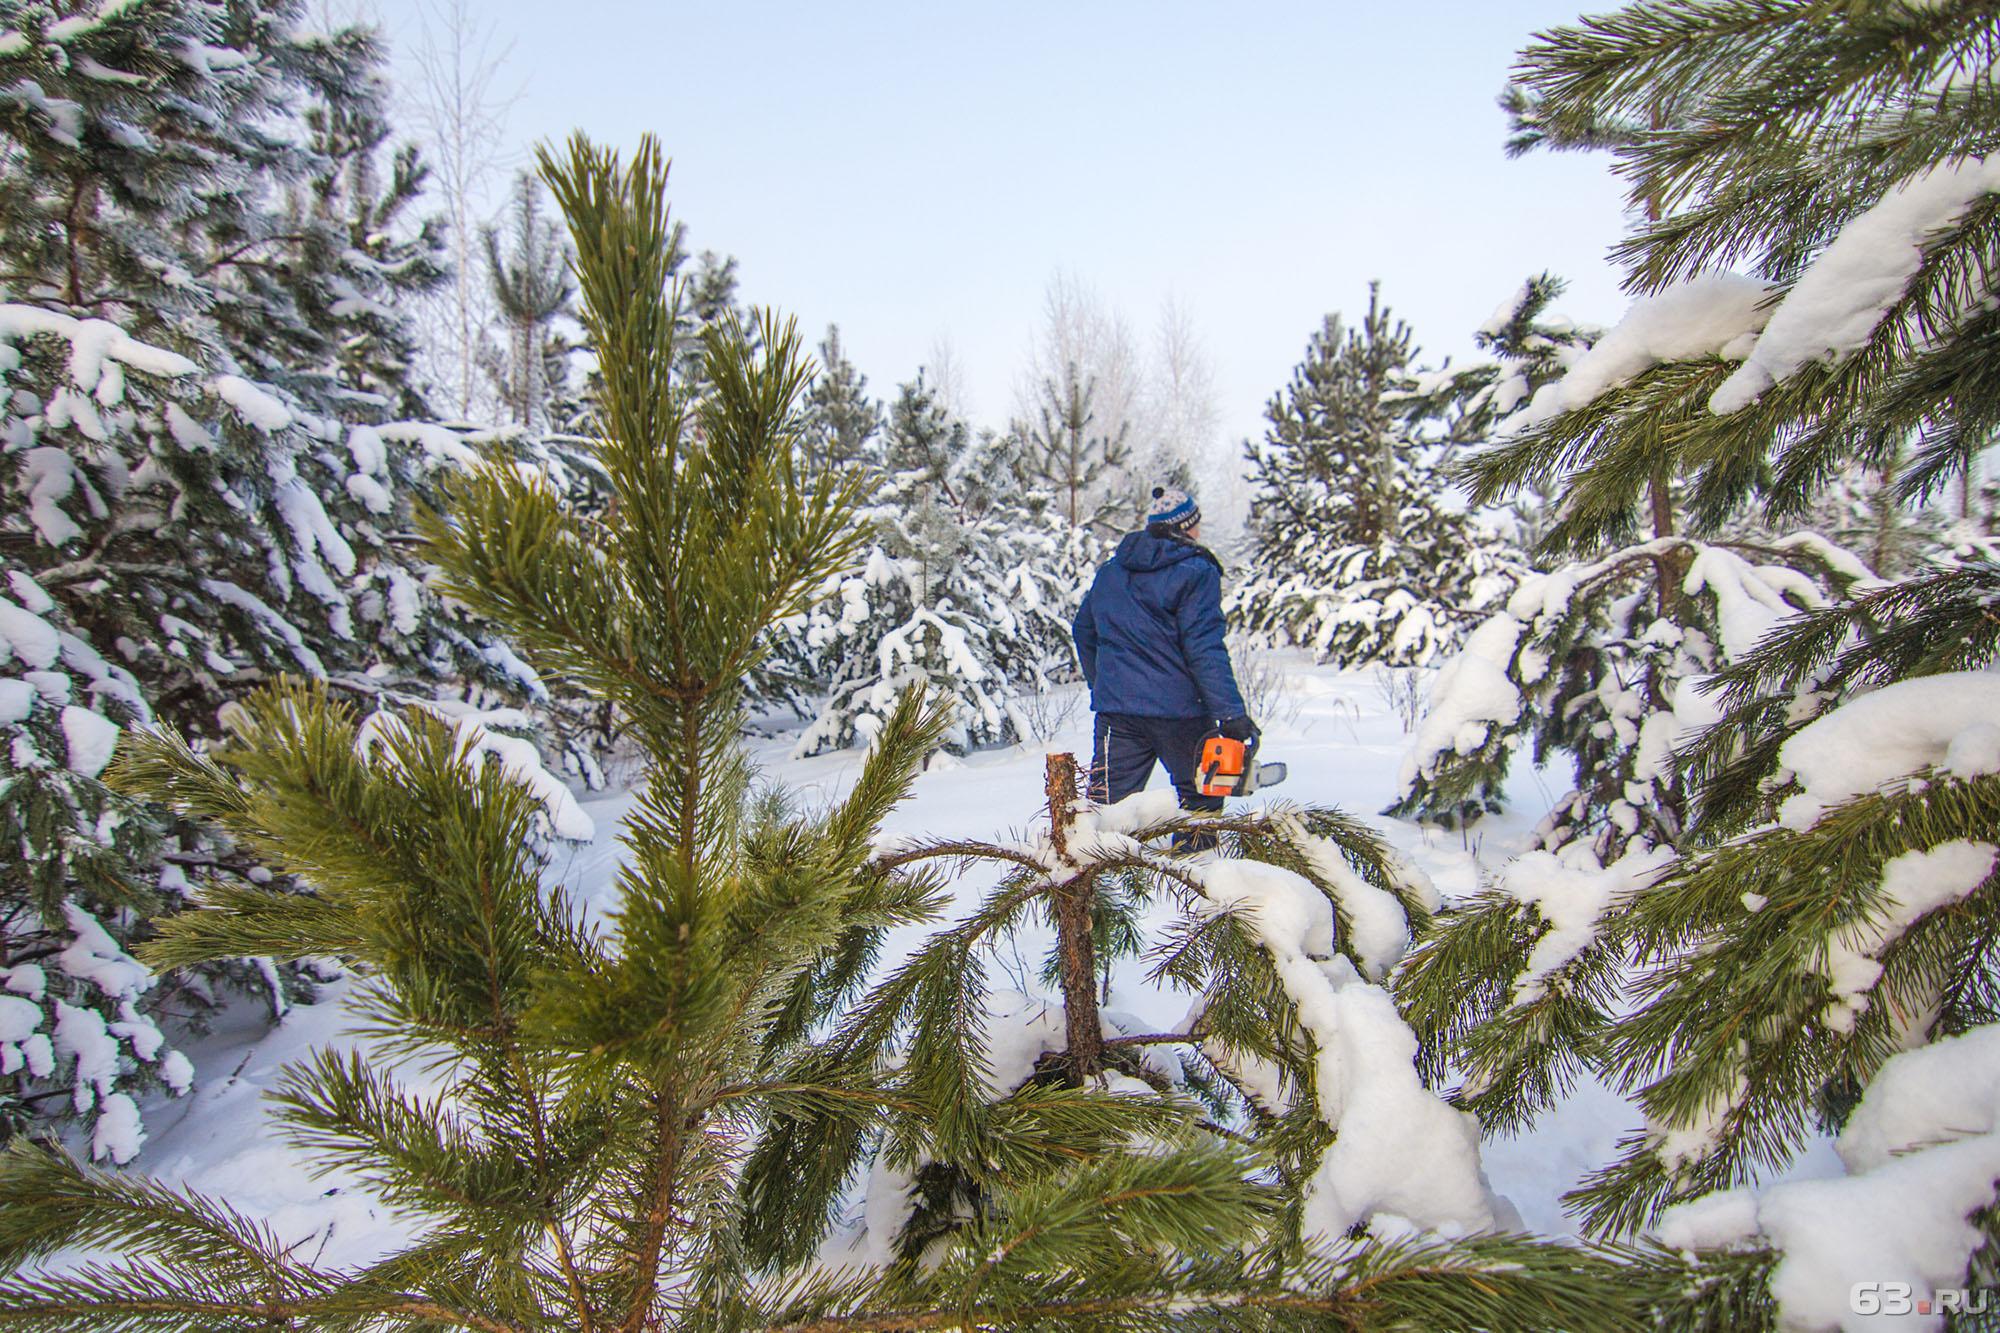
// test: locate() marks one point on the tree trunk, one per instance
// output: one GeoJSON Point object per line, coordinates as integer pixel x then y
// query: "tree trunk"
{"type": "Point", "coordinates": [1672, 564]}
{"type": "Point", "coordinates": [1075, 922]}
{"type": "Point", "coordinates": [82, 202]}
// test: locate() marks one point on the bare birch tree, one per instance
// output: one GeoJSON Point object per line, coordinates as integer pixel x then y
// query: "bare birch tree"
{"type": "Point", "coordinates": [462, 106]}
{"type": "Point", "coordinates": [945, 373]}
{"type": "Point", "coordinates": [1186, 416]}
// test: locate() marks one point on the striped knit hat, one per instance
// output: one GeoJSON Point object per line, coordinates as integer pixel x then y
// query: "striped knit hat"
{"type": "Point", "coordinates": [1172, 507]}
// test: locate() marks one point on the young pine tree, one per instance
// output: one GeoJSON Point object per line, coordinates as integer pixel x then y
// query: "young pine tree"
{"type": "Point", "coordinates": [950, 597]}
{"type": "Point", "coordinates": [1817, 953]}
{"type": "Point", "coordinates": [1070, 452]}
{"type": "Point", "coordinates": [706, 299]}
{"type": "Point", "coordinates": [1353, 552]}
{"type": "Point", "coordinates": [528, 273]}
{"type": "Point", "coordinates": [1530, 346]}
{"type": "Point", "coordinates": [607, 1065]}
{"type": "Point", "coordinates": [844, 424]}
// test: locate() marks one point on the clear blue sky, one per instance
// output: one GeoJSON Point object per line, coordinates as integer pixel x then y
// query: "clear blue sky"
{"type": "Point", "coordinates": [915, 170]}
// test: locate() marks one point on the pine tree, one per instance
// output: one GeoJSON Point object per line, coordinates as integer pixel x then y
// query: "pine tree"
{"type": "Point", "coordinates": [383, 257]}
{"type": "Point", "coordinates": [964, 591]}
{"type": "Point", "coordinates": [1073, 454]}
{"type": "Point", "coordinates": [529, 278]}
{"type": "Point", "coordinates": [202, 496]}
{"type": "Point", "coordinates": [1600, 661]}
{"type": "Point", "coordinates": [577, 1160]}
{"type": "Point", "coordinates": [1351, 552]}
{"type": "Point", "coordinates": [1531, 346]}
{"type": "Point", "coordinates": [709, 301]}
{"type": "Point", "coordinates": [842, 420]}
{"type": "Point", "coordinates": [1817, 952]}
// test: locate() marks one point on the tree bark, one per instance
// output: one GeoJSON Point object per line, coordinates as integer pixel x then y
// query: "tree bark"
{"type": "Point", "coordinates": [1075, 921]}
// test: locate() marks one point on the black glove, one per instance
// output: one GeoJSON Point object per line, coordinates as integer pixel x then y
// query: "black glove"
{"type": "Point", "coordinates": [1241, 729]}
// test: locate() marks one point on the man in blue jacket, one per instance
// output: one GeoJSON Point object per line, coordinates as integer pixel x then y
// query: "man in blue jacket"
{"type": "Point", "coordinates": [1150, 637]}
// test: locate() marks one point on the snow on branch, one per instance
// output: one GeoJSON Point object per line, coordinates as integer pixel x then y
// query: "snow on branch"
{"type": "Point", "coordinates": [1923, 1150]}
{"type": "Point", "coordinates": [1896, 732]}
{"type": "Point", "coordinates": [1836, 305]}
{"type": "Point", "coordinates": [1718, 314]}
{"type": "Point", "coordinates": [95, 345]}
{"type": "Point", "coordinates": [440, 444]}
{"type": "Point", "coordinates": [1571, 894]}
{"type": "Point", "coordinates": [1472, 695]}
{"type": "Point", "coordinates": [480, 732]}
{"type": "Point", "coordinates": [1365, 1072]}
{"type": "Point", "coordinates": [279, 628]}
{"type": "Point", "coordinates": [1913, 886]}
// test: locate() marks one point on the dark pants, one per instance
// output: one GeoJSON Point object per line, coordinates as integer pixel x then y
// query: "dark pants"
{"type": "Point", "coordinates": [1127, 745]}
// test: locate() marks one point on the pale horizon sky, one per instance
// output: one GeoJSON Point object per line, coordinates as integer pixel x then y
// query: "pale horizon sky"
{"type": "Point", "coordinates": [919, 172]}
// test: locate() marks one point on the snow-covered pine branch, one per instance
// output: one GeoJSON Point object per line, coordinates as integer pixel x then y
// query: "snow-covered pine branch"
{"type": "Point", "coordinates": [1587, 662]}
{"type": "Point", "coordinates": [1922, 1152]}
{"type": "Point", "coordinates": [1283, 937]}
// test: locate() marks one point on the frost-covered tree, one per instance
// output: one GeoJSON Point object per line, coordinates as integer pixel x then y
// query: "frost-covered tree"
{"type": "Point", "coordinates": [1181, 407]}
{"type": "Point", "coordinates": [1816, 950]}
{"type": "Point", "coordinates": [967, 590]}
{"type": "Point", "coordinates": [843, 424]}
{"type": "Point", "coordinates": [460, 105]}
{"type": "Point", "coordinates": [1184, 419]}
{"type": "Point", "coordinates": [1353, 549]}
{"type": "Point", "coordinates": [199, 495]}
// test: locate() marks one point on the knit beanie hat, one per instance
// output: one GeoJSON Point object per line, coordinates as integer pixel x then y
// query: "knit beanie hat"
{"type": "Point", "coordinates": [1172, 507]}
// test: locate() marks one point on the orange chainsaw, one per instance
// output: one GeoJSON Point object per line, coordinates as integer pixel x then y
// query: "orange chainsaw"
{"type": "Point", "coordinates": [1229, 768]}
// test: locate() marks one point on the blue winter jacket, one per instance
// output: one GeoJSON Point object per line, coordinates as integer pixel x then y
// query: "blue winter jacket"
{"type": "Point", "coordinates": [1149, 633]}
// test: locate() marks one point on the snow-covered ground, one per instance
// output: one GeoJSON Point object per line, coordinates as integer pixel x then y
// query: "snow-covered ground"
{"type": "Point", "coordinates": [1340, 735]}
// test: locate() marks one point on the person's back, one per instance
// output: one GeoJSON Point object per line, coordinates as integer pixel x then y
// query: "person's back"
{"type": "Point", "coordinates": [1150, 638]}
